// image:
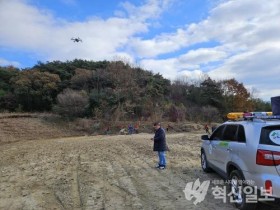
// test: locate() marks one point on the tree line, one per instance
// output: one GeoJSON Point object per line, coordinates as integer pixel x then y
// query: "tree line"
{"type": "Point", "coordinates": [117, 91]}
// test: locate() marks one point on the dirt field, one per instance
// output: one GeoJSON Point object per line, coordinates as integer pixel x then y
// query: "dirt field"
{"type": "Point", "coordinates": [101, 172]}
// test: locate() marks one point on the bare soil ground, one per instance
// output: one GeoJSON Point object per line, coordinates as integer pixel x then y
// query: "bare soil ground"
{"type": "Point", "coordinates": [102, 172]}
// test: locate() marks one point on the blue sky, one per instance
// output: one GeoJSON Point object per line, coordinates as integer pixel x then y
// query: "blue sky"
{"type": "Point", "coordinates": [178, 38]}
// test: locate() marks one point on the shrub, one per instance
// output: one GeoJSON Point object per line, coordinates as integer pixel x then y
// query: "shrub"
{"type": "Point", "coordinates": [71, 103]}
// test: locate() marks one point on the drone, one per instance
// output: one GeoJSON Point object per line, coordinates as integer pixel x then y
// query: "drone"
{"type": "Point", "coordinates": [78, 39]}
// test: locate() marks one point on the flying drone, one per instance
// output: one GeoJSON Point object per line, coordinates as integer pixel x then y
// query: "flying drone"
{"type": "Point", "coordinates": [78, 39]}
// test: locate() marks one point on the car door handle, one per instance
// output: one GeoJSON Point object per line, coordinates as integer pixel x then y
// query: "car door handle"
{"type": "Point", "coordinates": [229, 149]}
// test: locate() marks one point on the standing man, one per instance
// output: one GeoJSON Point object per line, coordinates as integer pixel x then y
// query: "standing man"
{"type": "Point", "coordinates": [160, 145]}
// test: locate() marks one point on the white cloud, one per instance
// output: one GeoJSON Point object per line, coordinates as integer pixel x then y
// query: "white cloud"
{"type": "Point", "coordinates": [150, 9]}
{"type": "Point", "coordinates": [229, 23]}
{"type": "Point", "coordinates": [159, 45]}
{"type": "Point", "coordinates": [196, 75]}
{"type": "Point", "coordinates": [267, 93]}
{"type": "Point", "coordinates": [24, 27]}
{"type": "Point", "coordinates": [248, 45]}
{"type": "Point", "coordinates": [49, 37]}
{"type": "Point", "coordinates": [172, 68]}
{"type": "Point", "coordinates": [203, 56]}
{"type": "Point", "coordinates": [164, 67]}
{"type": "Point", "coordinates": [4, 62]}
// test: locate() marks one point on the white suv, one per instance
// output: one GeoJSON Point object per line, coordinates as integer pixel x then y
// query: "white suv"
{"type": "Point", "coordinates": [247, 154]}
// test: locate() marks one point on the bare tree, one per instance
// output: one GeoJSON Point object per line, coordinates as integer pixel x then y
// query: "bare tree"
{"type": "Point", "coordinates": [71, 103]}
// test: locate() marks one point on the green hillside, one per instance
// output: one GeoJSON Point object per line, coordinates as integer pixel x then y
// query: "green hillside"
{"type": "Point", "coordinates": [116, 91]}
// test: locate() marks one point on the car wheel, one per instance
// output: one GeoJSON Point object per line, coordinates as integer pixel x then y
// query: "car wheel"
{"type": "Point", "coordinates": [204, 164]}
{"type": "Point", "coordinates": [238, 196]}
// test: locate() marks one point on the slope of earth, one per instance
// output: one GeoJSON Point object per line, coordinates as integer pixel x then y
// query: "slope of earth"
{"type": "Point", "coordinates": [28, 127]}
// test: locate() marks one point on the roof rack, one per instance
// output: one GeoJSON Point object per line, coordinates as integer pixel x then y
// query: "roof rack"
{"type": "Point", "coordinates": [251, 115]}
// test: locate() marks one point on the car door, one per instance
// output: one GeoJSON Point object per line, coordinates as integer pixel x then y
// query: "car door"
{"type": "Point", "coordinates": [222, 147]}
{"type": "Point", "coordinates": [238, 149]}
{"type": "Point", "coordinates": [215, 140]}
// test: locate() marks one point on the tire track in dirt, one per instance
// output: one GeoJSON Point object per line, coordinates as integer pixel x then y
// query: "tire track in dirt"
{"type": "Point", "coordinates": [154, 185]}
{"type": "Point", "coordinates": [91, 183]}
{"type": "Point", "coordinates": [75, 189]}
{"type": "Point", "coordinates": [114, 189]}
{"type": "Point", "coordinates": [162, 189]}
{"type": "Point", "coordinates": [120, 179]}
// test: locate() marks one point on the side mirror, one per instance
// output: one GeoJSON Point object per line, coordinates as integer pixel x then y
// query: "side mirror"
{"type": "Point", "coordinates": [204, 137]}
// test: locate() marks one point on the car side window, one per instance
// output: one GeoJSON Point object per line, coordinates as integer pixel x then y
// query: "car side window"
{"type": "Point", "coordinates": [230, 133]}
{"type": "Point", "coordinates": [241, 134]}
{"type": "Point", "coordinates": [269, 135]}
{"type": "Point", "coordinates": [218, 133]}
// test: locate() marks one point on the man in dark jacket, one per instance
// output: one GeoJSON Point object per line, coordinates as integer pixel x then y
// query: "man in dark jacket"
{"type": "Point", "coordinates": [160, 145]}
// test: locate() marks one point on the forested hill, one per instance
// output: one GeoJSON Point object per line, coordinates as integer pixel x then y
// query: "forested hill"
{"type": "Point", "coordinates": [117, 91]}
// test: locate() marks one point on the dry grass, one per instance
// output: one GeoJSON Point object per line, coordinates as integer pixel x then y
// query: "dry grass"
{"type": "Point", "coordinates": [33, 126]}
{"type": "Point", "coordinates": [18, 127]}
{"type": "Point", "coordinates": [17, 115]}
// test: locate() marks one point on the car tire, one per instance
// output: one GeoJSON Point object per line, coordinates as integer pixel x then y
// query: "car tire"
{"type": "Point", "coordinates": [204, 163]}
{"type": "Point", "coordinates": [238, 196]}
